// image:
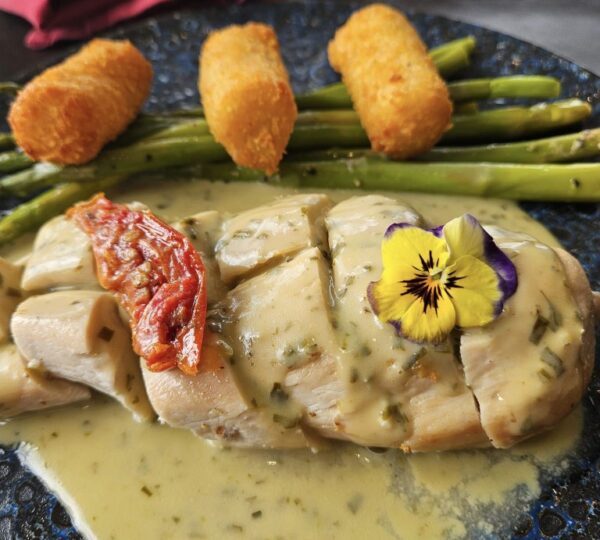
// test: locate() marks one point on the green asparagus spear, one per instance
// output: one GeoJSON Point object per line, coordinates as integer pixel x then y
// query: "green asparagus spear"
{"type": "Point", "coordinates": [448, 58]}
{"type": "Point", "coordinates": [514, 122]}
{"type": "Point", "coordinates": [518, 86]}
{"type": "Point", "coordinates": [142, 157]}
{"type": "Point", "coordinates": [322, 135]}
{"type": "Point", "coordinates": [9, 87]}
{"type": "Point", "coordinates": [496, 124]}
{"type": "Point", "coordinates": [452, 61]}
{"type": "Point", "coordinates": [332, 96]}
{"type": "Point", "coordinates": [467, 44]}
{"type": "Point", "coordinates": [572, 147]}
{"type": "Point", "coordinates": [563, 148]}
{"type": "Point", "coordinates": [198, 127]}
{"type": "Point", "coordinates": [149, 127]}
{"type": "Point", "coordinates": [577, 182]}
{"type": "Point", "coordinates": [334, 154]}
{"type": "Point", "coordinates": [13, 161]}
{"type": "Point", "coordinates": [154, 155]}
{"type": "Point", "coordinates": [143, 127]}
{"type": "Point", "coordinates": [466, 107]}
{"type": "Point", "coordinates": [32, 214]}
{"type": "Point", "coordinates": [500, 124]}
{"type": "Point", "coordinates": [6, 141]}
{"type": "Point", "coordinates": [335, 96]}
{"type": "Point", "coordinates": [186, 112]}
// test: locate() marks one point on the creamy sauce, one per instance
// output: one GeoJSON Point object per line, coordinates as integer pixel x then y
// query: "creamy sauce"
{"type": "Point", "coordinates": [126, 480]}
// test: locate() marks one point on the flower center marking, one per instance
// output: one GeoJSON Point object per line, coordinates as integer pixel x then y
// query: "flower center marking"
{"type": "Point", "coordinates": [430, 283]}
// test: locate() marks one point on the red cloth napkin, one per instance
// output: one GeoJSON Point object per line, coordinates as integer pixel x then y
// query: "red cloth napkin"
{"type": "Point", "coordinates": [56, 20]}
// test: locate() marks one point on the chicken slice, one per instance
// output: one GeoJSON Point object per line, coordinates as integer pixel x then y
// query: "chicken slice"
{"type": "Point", "coordinates": [79, 336]}
{"type": "Point", "coordinates": [271, 232]}
{"type": "Point", "coordinates": [530, 367]}
{"type": "Point", "coordinates": [584, 299]}
{"type": "Point", "coordinates": [284, 346]}
{"type": "Point", "coordinates": [22, 391]}
{"type": "Point", "coordinates": [62, 257]}
{"type": "Point", "coordinates": [211, 405]}
{"type": "Point", "coordinates": [396, 393]}
{"type": "Point", "coordinates": [203, 230]}
{"type": "Point", "coordinates": [10, 295]}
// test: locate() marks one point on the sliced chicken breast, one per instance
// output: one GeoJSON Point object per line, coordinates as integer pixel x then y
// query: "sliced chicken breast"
{"type": "Point", "coordinates": [10, 295]}
{"type": "Point", "coordinates": [269, 233]}
{"type": "Point", "coordinates": [203, 230]}
{"type": "Point", "coordinates": [529, 368]}
{"type": "Point", "coordinates": [211, 404]}
{"type": "Point", "coordinates": [22, 391]}
{"type": "Point", "coordinates": [284, 345]}
{"type": "Point", "coordinates": [79, 336]}
{"type": "Point", "coordinates": [292, 350]}
{"type": "Point", "coordinates": [396, 393]}
{"type": "Point", "coordinates": [62, 257]}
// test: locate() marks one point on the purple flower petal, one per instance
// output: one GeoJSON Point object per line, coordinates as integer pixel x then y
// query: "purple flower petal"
{"type": "Point", "coordinates": [437, 231]}
{"type": "Point", "coordinates": [394, 226]}
{"type": "Point", "coordinates": [504, 267]}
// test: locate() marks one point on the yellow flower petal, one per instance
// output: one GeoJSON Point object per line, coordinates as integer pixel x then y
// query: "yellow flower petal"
{"type": "Point", "coordinates": [419, 324]}
{"type": "Point", "coordinates": [477, 291]}
{"type": "Point", "coordinates": [464, 236]}
{"type": "Point", "coordinates": [391, 304]}
{"type": "Point", "coordinates": [406, 245]}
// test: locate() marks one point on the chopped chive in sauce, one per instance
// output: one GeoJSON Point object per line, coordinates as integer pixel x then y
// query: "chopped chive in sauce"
{"type": "Point", "coordinates": [415, 357]}
{"type": "Point", "coordinates": [365, 350]}
{"type": "Point", "coordinates": [554, 361]}
{"type": "Point", "coordinates": [278, 394]}
{"type": "Point", "coordinates": [539, 328]}
{"type": "Point", "coordinates": [555, 318]}
{"type": "Point", "coordinates": [354, 503]}
{"type": "Point", "coordinates": [394, 412]}
{"type": "Point", "coordinates": [398, 343]}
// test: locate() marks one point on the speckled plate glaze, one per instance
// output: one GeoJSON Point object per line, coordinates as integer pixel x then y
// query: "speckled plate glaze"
{"type": "Point", "coordinates": [568, 508]}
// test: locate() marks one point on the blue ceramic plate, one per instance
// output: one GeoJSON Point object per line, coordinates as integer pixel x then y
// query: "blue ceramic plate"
{"type": "Point", "coordinates": [567, 508]}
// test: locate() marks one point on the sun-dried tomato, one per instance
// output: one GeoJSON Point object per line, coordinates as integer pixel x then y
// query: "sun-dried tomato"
{"type": "Point", "coordinates": [158, 277]}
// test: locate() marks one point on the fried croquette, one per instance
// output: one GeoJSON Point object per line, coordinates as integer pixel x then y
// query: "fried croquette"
{"type": "Point", "coordinates": [69, 112]}
{"type": "Point", "coordinates": [246, 94]}
{"type": "Point", "coordinates": [402, 101]}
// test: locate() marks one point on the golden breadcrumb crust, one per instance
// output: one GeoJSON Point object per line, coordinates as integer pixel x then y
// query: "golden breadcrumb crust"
{"type": "Point", "coordinates": [70, 111]}
{"type": "Point", "coordinates": [402, 101]}
{"type": "Point", "coordinates": [246, 94]}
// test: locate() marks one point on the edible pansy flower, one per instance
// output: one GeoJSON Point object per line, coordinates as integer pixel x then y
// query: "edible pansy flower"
{"type": "Point", "coordinates": [433, 280]}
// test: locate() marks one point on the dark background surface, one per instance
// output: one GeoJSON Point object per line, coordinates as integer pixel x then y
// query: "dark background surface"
{"type": "Point", "coordinates": [570, 28]}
